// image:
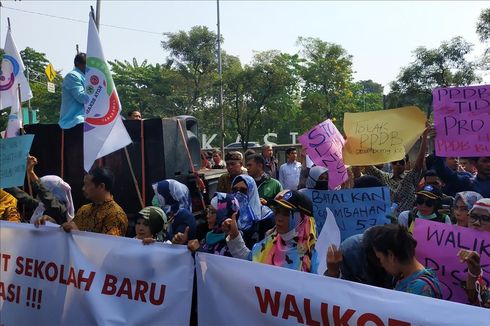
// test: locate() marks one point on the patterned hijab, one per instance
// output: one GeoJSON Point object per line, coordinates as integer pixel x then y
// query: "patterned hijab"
{"type": "Point", "coordinates": [293, 250]}
{"type": "Point", "coordinates": [172, 196]}
{"type": "Point", "coordinates": [251, 210]}
{"type": "Point", "coordinates": [6, 201]}
{"type": "Point", "coordinates": [61, 191]}
{"type": "Point", "coordinates": [469, 198]}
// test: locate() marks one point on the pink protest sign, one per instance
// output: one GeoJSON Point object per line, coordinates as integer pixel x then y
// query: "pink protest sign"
{"type": "Point", "coordinates": [437, 248]}
{"type": "Point", "coordinates": [323, 145]}
{"type": "Point", "coordinates": [462, 120]}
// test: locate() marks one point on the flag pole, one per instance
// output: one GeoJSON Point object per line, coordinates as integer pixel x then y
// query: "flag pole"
{"type": "Point", "coordinates": [220, 73]}
{"type": "Point", "coordinates": [97, 14]}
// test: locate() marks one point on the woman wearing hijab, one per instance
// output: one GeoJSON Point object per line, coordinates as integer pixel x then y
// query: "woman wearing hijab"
{"type": "Point", "coordinates": [53, 202]}
{"type": "Point", "coordinates": [463, 203]}
{"type": "Point", "coordinates": [222, 207]}
{"type": "Point", "coordinates": [8, 207]}
{"type": "Point", "coordinates": [292, 242]}
{"type": "Point", "coordinates": [317, 178]}
{"type": "Point", "coordinates": [244, 189]}
{"type": "Point", "coordinates": [476, 288]}
{"type": "Point", "coordinates": [151, 224]}
{"type": "Point", "coordinates": [175, 200]}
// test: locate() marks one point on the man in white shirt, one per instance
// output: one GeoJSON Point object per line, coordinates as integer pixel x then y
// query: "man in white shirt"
{"type": "Point", "coordinates": [289, 172]}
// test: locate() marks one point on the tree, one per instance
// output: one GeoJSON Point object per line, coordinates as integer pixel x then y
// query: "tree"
{"type": "Point", "coordinates": [193, 54]}
{"type": "Point", "coordinates": [368, 95]}
{"type": "Point", "coordinates": [48, 104]}
{"type": "Point", "coordinates": [327, 74]}
{"type": "Point", "coordinates": [254, 90]}
{"type": "Point", "coordinates": [483, 25]}
{"type": "Point", "coordinates": [441, 67]}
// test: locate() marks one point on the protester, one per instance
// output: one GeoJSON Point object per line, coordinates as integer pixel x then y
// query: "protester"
{"type": "Point", "coordinates": [103, 214]}
{"type": "Point", "coordinates": [234, 165]}
{"type": "Point", "coordinates": [291, 244]}
{"type": "Point", "coordinates": [317, 179]}
{"type": "Point", "coordinates": [270, 166]}
{"type": "Point", "coordinates": [452, 163]}
{"type": "Point", "coordinates": [217, 162]}
{"type": "Point", "coordinates": [54, 200]}
{"type": "Point", "coordinates": [467, 165]}
{"type": "Point", "coordinates": [403, 184]}
{"type": "Point", "coordinates": [73, 95]}
{"type": "Point", "coordinates": [457, 181]}
{"type": "Point", "coordinates": [8, 207]}
{"type": "Point", "coordinates": [175, 200]}
{"type": "Point", "coordinates": [367, 181]}
{"type": "Point", "coordinates": [476, 288]}
{"type": "Point", "coordinates": [205, 164]}
{"type": "Point", "coordinates": [289, 172]}
{"type": "Point", "coordinates": [463, 203]}
{"type": "Point", "coordinates": [222, 207]}
{"type": "Point", "coordinates": [428, 203]}
{"type": "Point", "coordinates": [267, 186]}
{"type": "Point", "coordinates": [252, 212]}
{"type": "Point", "coordinates": [395, 248]}
{"type": "Point", "coordinates": [249, 152]}
{"type": "Point", "coordinates": [432, 179]}
{"type": "Point", "coordinates": [151, 223]}
{"type": "Point", "coordinates": [355, 261]}
{"type": "Point", "coordinates": [134, 115]}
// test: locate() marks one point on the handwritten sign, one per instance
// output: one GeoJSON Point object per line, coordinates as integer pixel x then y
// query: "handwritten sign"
{"type": "Point", "coordinates": [355, 210]}
{"type": "Point", "coordinates": [381, 136]}
{"type": "Point", "coordinates": [462, 120]}
{"type": "Point", "coordinates": [323, 145]}
{"type": "Point", "coordinates": [13, 156]}
{"type": "Point", "coordinates": [437, 248]}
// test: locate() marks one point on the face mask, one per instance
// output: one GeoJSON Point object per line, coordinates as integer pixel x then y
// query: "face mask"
{"type": "Point", "coordinates": [242, 198]}
{"type": "Point", "coordinates": [321, 185]}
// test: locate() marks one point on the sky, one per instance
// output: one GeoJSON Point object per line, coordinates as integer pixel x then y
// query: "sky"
{"type": "Point", "coordinates": [380, 35]}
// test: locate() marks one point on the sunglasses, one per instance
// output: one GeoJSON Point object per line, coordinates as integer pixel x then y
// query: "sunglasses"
{"type": "Point", "coordinates": [427, 201]}
{"type": "Point", "coordinates": [243, 190]}
{"type": "Point", "coordinates": [483, 219]}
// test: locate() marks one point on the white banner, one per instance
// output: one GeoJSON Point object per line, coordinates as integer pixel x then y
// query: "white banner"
{"type": "Point", "coordinates": [237, 292]}
{"type": "Point", "coordinates": [49, 277]}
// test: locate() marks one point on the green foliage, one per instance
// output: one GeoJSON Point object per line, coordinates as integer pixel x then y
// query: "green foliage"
{"type": "Point", "coordinates": [443, 66]}
{"type": "Point", "coordinates": [326, 72]}
{"type": "Point", "coordinates": [483, 25]}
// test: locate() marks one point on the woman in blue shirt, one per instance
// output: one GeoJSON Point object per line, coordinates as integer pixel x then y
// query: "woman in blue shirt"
{"type": "Point", "coordinates": [395, 248]}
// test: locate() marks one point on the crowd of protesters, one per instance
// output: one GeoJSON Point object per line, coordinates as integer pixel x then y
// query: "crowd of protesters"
{"type": "Point", "coordinates": [261, 212]}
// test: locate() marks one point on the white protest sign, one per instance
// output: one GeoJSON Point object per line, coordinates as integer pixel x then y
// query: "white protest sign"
{"type": "Point", "coordinates": [238, 292]}
{"type": "Point", "coordinates": [49, 277]}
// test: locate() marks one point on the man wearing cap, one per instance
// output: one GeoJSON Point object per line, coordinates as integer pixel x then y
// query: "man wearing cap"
{"type": "Point", "coordinates": [292, 242]}
{"type": "Point", "coordinates": [234, 165]}
{"type": "Point", "coordinates": [427, 206]}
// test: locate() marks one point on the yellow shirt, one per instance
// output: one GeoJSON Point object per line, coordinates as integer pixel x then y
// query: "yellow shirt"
{"type": "Point", "coordinates": [108, 218]}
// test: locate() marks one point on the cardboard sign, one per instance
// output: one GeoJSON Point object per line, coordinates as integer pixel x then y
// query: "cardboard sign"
{"type": "Point", "coordinates": [381, 136]}
{"type": "Point", "coordinates": [355, 210]}
{"type": "Point", "coordinates": [323, 145]}
{"type": "Point", "coordinates": [437, 248]}
{"type": "Point", "coordinates": [462, 120]}
{"type": "Point", "coordinates": [13, 160]}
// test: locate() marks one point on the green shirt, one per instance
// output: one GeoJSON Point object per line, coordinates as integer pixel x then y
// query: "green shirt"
{"type": "Point", "coordinates": [268, 188]}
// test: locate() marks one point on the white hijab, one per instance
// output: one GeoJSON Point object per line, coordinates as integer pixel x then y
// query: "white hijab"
{"type": "Point", "coordinates": [61, 191]}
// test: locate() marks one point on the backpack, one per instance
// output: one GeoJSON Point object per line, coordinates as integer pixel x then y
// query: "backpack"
{"type": "Point", "coordinates": [424, 277]}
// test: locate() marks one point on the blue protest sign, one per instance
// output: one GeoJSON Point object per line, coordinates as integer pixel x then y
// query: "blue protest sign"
{"type": "Point", "coordinates": [13, 156]}
{"type": "Point", "coordinates": [355, 210]}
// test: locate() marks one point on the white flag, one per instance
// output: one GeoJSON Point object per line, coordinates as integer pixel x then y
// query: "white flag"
{"type": "Point", "coordinates": [12, 75]}
{"type": "Point", "coordinates": [104, 131]}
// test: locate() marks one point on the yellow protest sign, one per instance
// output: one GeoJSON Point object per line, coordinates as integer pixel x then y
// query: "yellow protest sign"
{"type": "Point", "coordinates": [381, 136]}
{"type": "Point", "coordinates": [50, 72]}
